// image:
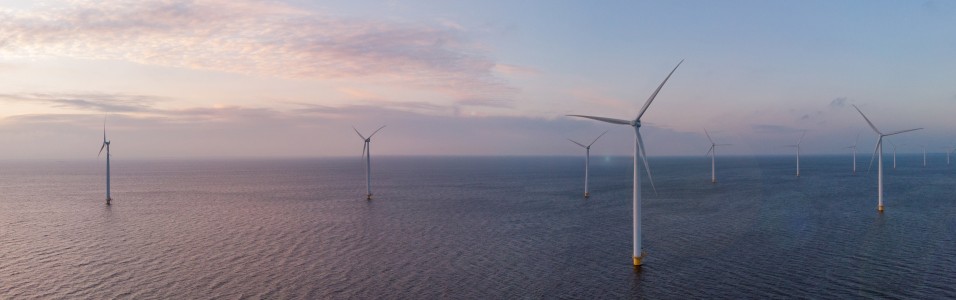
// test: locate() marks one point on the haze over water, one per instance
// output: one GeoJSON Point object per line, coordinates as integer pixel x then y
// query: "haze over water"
{"type": "Point", "coordinates": [475, 227]}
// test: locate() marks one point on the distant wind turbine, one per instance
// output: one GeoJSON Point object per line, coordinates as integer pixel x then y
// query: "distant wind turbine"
{"type": "Point", "coordinates": [587, 162]}
{"type": "Point", "coordinates": [798, 151]}
{"type": "Point", "coordinates": [854, 151]}
{"type": "Point", "coordinates": [948, 151]}
{"type": "Point", "coordinates": [894, 153]}
{"type": "Point", "coordinates": [639, 155]}
{"type": "Point", "coordinates": [106, 144]}
{"type": "Point", "coordinates": [879, 148]}
{"type": "Point", "coordinates": [713, 156]}
{"type": "Point", "coordinates": [367, 153]}
{"type": "Point", "coordinates": [924, 154]}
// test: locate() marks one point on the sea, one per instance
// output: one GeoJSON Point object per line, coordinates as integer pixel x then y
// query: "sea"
{"type": "Point", "coordinates": [476, 228]}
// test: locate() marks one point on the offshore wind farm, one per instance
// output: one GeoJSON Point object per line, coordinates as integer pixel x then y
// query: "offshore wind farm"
{"type": "Point", "coordinates": [238, 175]}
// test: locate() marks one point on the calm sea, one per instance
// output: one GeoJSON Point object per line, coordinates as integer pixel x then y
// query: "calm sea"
{"type": "Point", "coordinates": [475, 227]}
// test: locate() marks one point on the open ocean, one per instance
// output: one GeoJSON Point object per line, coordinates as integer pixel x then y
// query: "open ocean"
{"type": "Point", "coordinates": [476, 228]}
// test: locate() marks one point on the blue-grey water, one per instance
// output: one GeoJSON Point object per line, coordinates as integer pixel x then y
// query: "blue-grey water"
{"type": "Point", "coordinates": [475, 227]}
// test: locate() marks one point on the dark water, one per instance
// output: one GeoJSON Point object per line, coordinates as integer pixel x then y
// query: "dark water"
{"type": "Point", "coordinates": [480, 228]}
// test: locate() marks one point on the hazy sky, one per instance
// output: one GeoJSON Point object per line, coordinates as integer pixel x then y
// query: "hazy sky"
{"type": "Point", "coordinates": [289, 78]}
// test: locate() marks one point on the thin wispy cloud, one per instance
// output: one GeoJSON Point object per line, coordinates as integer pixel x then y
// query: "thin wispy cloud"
{"type": "Point", "coordinates": [254, 37]}
{"type": "Point", "coordinates": [93, 102]}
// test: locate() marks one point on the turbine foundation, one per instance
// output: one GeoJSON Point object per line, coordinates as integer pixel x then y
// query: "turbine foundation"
{"type": "Point", "coordinates": [879, 208]}
{"type": "Point", "coordinates": [108, 201]}
{"type": "Point", "coordinates": [587, 195]}
{"type": "Point", "coordinates": [638, 260]}
{"type": "Point", "coordinates": [368, 197]}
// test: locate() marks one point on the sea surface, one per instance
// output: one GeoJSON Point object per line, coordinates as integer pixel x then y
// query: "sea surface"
{"type": "Point", "coordinates": [475, 228]}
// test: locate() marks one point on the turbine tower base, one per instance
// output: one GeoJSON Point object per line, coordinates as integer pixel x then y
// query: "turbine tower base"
{"type": "Point", "coordinates": [587, 195]}
{"type": "Point", "coordinates": [368, 197]}
{"type": "Point", "coordinates": [108, 201]}
{"type": "Point", "coordinates": [879, 208]}
{"type": "Point", "coordinates": [638, 260]}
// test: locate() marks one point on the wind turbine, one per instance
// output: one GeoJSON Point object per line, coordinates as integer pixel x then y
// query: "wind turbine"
{"type": "Point", "coordinates": [367, 153]}
{"type": "Point", "coordinates": [924, 155]}
{"type": "Point", "coordinates": [879, 148]}
{"type": "Point", "coordinates": [894, 153]}
{"type": "Point", "coordinates": [798, 151]}
{"type": "Point", "coordinates": [106, 144]}
{"type": "Point", "coordinates": [639, 155]}
{"type": "Point", "coordinates": [587, 162]}
{"type": "Point", "coordinates": [854, 151]}
{"type": "Point", "coordinates": [713, 155]}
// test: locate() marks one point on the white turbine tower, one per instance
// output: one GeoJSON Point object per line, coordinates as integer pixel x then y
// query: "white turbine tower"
{"type": "Point", "coordinates": [894, 153]}
{"type": "Point", "coordinates": [924, 155]}
{"type": "Point", "coordinates": [106, 144]}
{"type": "Point", "coordinates": [639, 155]}
{"type": "Point", "coordinates": [879, 148]}
{"type": "Point", "coordinates": [587, 162]}
{"type": "Point", "coordinates": [713, 156]}
{"type": "Point", "coordinates": [798, 151]}
{"type": "Point", "coordinates": [854, 151]}
{"type": "Point", "coordinates": [367, 153]}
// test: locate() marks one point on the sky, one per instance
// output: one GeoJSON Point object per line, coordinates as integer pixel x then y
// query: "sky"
{"type": "Point", "coordinates": [241, 78]}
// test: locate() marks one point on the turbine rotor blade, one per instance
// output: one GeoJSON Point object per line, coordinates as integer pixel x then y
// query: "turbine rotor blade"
{"type": "Point", "coordinates": [376, 131]}
{"type": "Point", "coordinates": [579, 144]}
{"type": "Point", "coordinates": [875, 148]}
{"type": "Point", "coordinates": [867, 120]}
{"type": "Point", "coordinates": [708, 136]}
{"type": "Point", "coordinates": [801, 138]}
{"type": "Point", "coordinates": [357, 132]}
{"type": "Point", "coordinates": [364, 147]}
{"type": "Point", "coordinates": [101, 149]}
{"type": "Point", "coordinates": [901, 131]}
{"type": "Point", "coordinates": [658, 90]}
{"type": "Point", "coordinates": [595, 139]}
{"type": "Point", "coordinates": [710, 150]}
{"type": "Point", "coordinates": [603, 119]}
{"type": "Point", "coordinates": [640, 141]}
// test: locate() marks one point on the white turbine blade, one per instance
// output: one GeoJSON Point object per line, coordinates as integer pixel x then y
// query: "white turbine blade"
{"type": "Point", "coordinates": [708, 136]}
{"type": "Point", "coordinates": [901, 131]}
{"type": "Point", "coordinates": [875, 148]}
{"type": "Point", "coordinates": [376, 131]}
{"type": "Point", "coordinates": [579, 144]}
{"type": "Point", "coordinates": [603, 119]}
{"type": "Point", "coordinates": [101, 149]}
{"type": "Point", "coordinates": [658, 90]}
{"type": "Point", "coordinates": [364, 147]}
{"type": "Point", "coordinates": [725, 144]}
{"type": "Point", "coordinates": [595, 139]}
{"type": "Point", "coordinates": [647, 167]}
{"type": "Point", "coordinates": [801, 138]}
{"type": "Point", "coordinates": [710, 150]}
{"type": "Point", "coordinates": [356, 132]}
{"type": "Point", "coordinates": [104, 129]}
{"type": "Point", "coordinates": [867, 120]}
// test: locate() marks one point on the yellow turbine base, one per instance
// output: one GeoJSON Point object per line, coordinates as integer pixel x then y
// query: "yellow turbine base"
{"type": "Point", "coordinates": [880, 208]}
{"type": "Point", "coordinates": [587, 195]}
{"type": "Point", "coordinates": [638, 260]}
{"type": "Point", "coordinates": [368, 197]}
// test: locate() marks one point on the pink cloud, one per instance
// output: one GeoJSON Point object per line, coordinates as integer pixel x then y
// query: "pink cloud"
{"type": "Point", "coordinates": [250, 37]}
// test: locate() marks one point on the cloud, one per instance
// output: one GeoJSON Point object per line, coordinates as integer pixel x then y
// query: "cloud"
{"type": "Point", "coordinates": [254, 37]}
{"type": "Point", "coordinates": [839, 102]}
{"type": "Point", "coordinates": [100, 102]}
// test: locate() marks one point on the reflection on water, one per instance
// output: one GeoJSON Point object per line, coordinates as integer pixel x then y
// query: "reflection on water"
{"type": "Point", "coordinates": [473, 228]}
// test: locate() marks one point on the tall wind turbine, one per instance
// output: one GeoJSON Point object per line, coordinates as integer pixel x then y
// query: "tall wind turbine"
{"type": "Point", "coordinates": [367, 153]}
{"type": "Point", "coordinates": [587, 162]}
{"type": "Point", "coordinates": [713, 157]}
{"type": "Point", "coordinates": [639, 155]}
{"type": "Point", "coordinates": [798, 151]}
{"type": "Point", "coordinates": [106, 144]}
{"type": "Point", "coordinates": [854, 151]}
{"type": "Point", "coordinates": [879, 148]}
